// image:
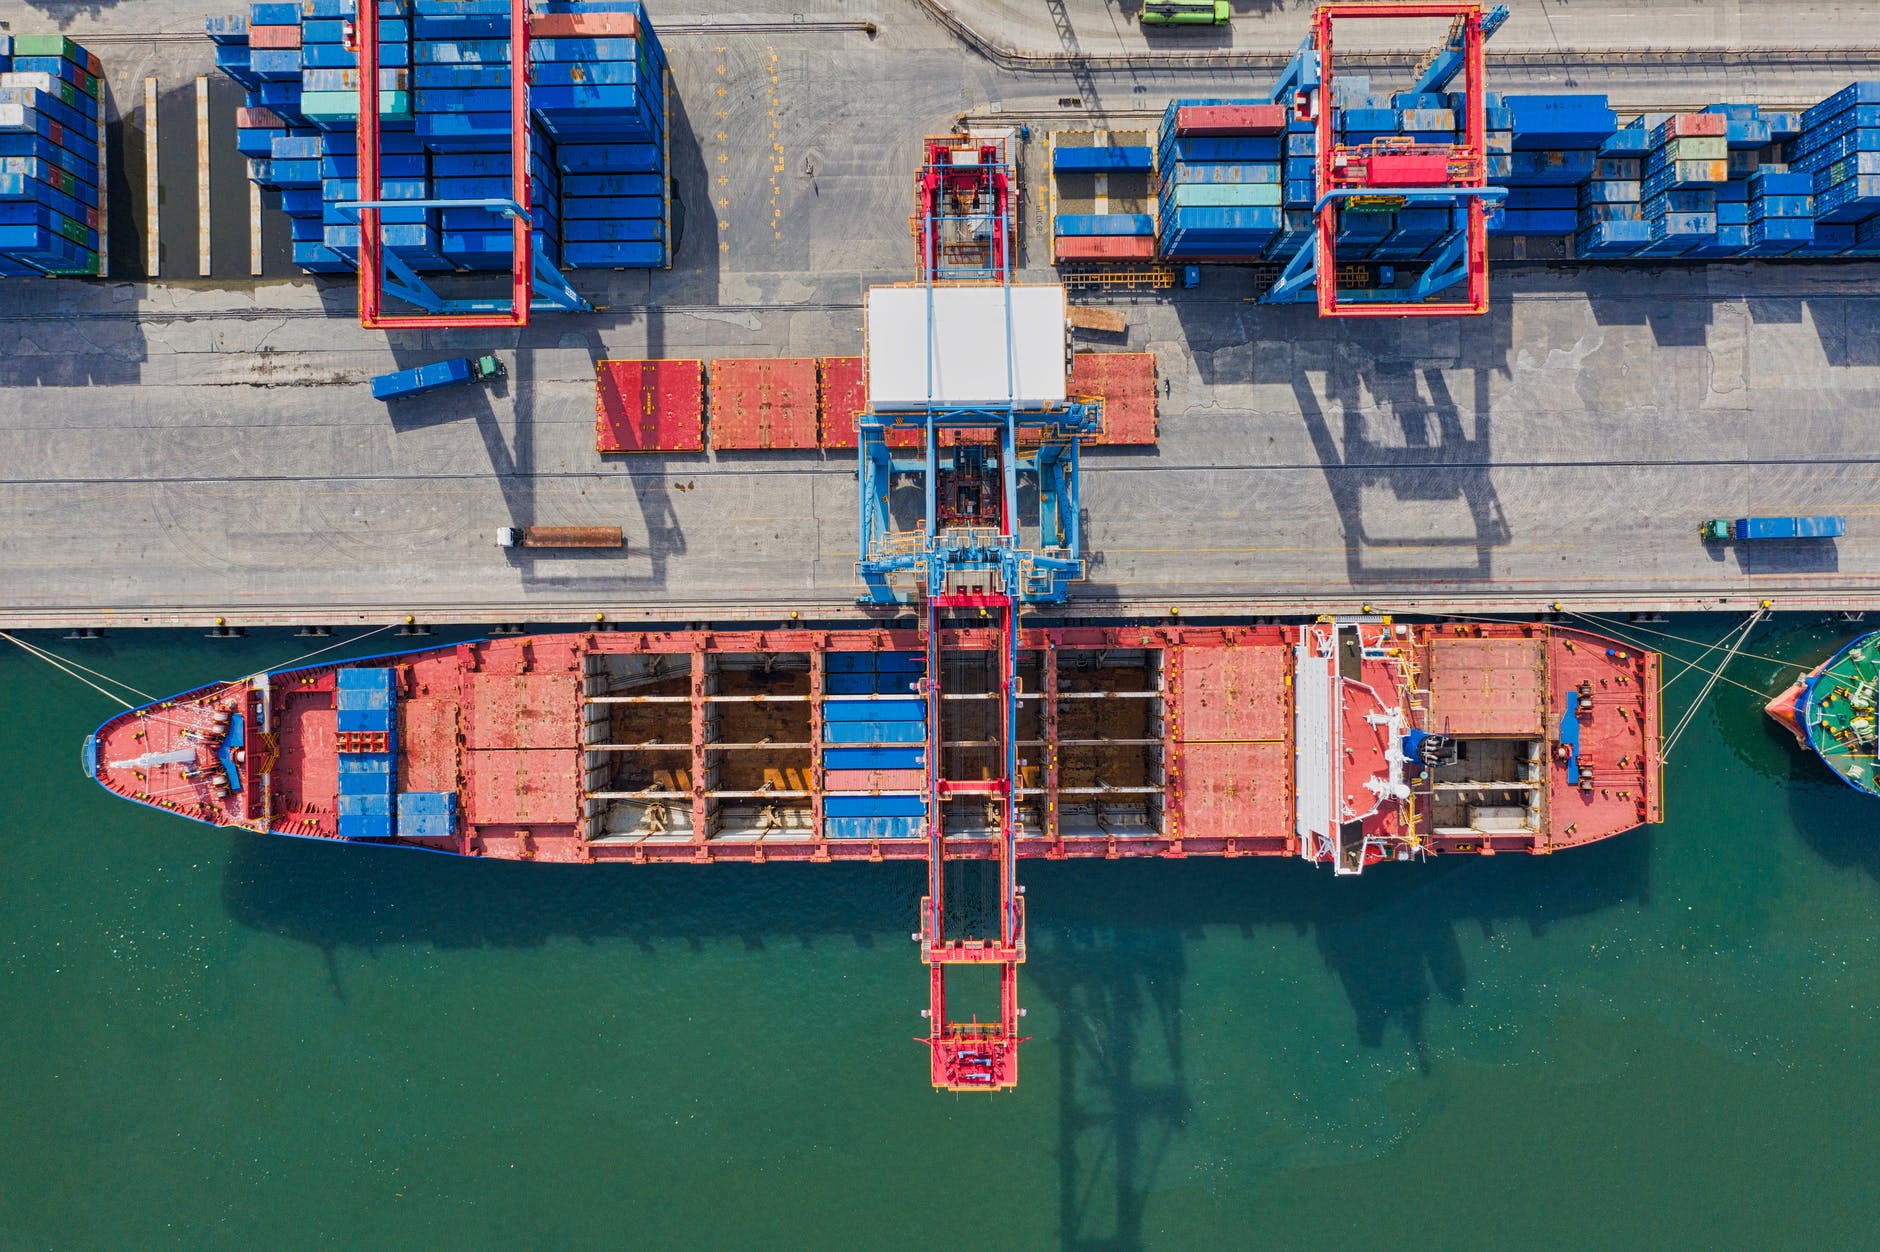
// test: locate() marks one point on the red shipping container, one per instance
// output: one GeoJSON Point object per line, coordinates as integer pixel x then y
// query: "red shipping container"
{"type": "Point", "coordinates": [874, 780]}
{"type": "Point", "coordinates": [584, 26]}
{"type": "Point", "coordinates": [1408, 169]}
{"type": "Point", "coordinates": [843, 395]}
{"type": "Point", "coordinates": [1230, 119]}
{"type": "Point", "coordinates": [767, 402]}
{"type": "Point", "coordinates": [274, 36]}
{"type": "Point", "coordinates": [649, 406]}
{"type": "Point", "coordinates": [261, 118]}
{"type": "Point", "coordinates": [1693, 125]}
{"type": "Point", "coordinates": [1104, 247]}
{"type": "Point", "coordinates": [1125, 383]}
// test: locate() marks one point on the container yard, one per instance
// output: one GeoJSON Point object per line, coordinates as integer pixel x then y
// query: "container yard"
{"type": "Point", "coordinates": [1251, 451]}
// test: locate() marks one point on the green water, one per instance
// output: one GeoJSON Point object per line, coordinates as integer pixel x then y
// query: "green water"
{"type": "Point", "coordinates": [230, 1041]}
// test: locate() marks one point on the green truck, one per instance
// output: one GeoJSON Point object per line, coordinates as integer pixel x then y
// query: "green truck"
{"type": "Point", "coordinates": [1186, 13]}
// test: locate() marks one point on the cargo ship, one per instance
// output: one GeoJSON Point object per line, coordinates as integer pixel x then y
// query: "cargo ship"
{"type": "Point", "coordinates": [1830, 711]}
{"type": "Point", "coordinates": [972, 738]}
{"type": "Point", "coordinates": [1341, 742]}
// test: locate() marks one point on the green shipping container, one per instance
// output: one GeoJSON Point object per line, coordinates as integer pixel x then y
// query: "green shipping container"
{"type": "Point", "coordinates": [1698, 148]}
{"type": "Point", "coordinates": [324, 106]}
{"type": "Point", "coordinates": [49, 46]}
{"type": "Point", "coordinates": [1227, 195]}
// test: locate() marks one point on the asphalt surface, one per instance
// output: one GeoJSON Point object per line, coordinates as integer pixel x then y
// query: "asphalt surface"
{"type": "Point", "coordinates": [183, 449]}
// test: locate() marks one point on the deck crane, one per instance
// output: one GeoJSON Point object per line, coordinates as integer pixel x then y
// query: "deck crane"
{"type": "Point", "coordinates": [1387, 174]}
{"type": "Point", "coordinates": [955, 362]}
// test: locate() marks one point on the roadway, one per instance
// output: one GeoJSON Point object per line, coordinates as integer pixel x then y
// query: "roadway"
{"type": "Point", "coordinates": [174, 451]}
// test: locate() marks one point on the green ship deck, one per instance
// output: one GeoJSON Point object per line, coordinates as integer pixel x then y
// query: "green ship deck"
{"type": "Point", "coordinates": [1837, 713]}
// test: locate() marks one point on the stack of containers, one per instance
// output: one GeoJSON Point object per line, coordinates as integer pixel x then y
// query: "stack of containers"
{"type": "Point", "coordinates": [597, 128]}
{"type": "Point", "coordinates": [874, 760]}
{"type": "Point", "coordinates": [460, 94]}
{"type": "Point", "coordinates": [1555, 144]}
{"type": "Point", "coordinates": [1839, 147]}
{"type": "Point", "coordinates": [1746, 134]}
{"type": "Point", "coordinates": [368, 752]}
{"type": "Point", "coordinates": [1498, 137]}
{"type": "Point", "coordinates": [51, 206]}
{"type": "Point", "coordinates": [1427, 118]}
{"type": "Point", "coordinates": [1218, 167]}
{"type": "Point", "coordinates": [1781, 210]}
{"type": "Point", "coordinates": [1610, 224]}
{"type": "Point", "coordinates": [1688, 161]}
{"type": "Point", "coordinates": [1363, 117]}
{"type": "Point", "coordinates": [600, 95]}
{"type": "Point", "coordinates": [1102, 236]}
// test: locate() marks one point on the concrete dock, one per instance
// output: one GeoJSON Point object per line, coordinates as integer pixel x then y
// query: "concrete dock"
{"type": "Point", "coordinates": [177, 450]}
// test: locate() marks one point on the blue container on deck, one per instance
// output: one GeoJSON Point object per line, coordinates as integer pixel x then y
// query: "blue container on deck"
{"type": "Point", "coordinates": [872, 827]}
{"type": "Point", "coordinates": [874, 710]}
{"type": "Point", "coordinates": [877, 732]}
{"type": "Point", "coordinates": [427, 814]}
{"type": "Point", "coordinates": [874, 758]}
{"type": "Point", "coordinates": [1560, 122]}
{"type": "Point", "coordinates": [837, 804]}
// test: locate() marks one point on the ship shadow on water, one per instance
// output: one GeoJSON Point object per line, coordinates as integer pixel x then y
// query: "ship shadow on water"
{"type": "Point", "coordinates": [1110, 951]}
{"type": "Point", "coordinates": [1833, 819]}
{"type": "Point", "coordinates": [1391, 939]}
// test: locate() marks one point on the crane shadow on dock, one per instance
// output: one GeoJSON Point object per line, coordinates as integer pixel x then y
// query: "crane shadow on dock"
{"type": "Point", "coordinates": [1442, 518]}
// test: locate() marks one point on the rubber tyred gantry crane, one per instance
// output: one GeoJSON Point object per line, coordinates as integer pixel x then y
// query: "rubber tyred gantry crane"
{"type": "Point", "coordinates": [1391, 173]}
{"type": "Point", "coordinates": [534, 281]}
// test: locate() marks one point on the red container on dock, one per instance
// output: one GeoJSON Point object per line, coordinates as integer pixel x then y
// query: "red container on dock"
{"type": "Point", "coordinates": [649, 406]}
{"type": "Point", "coordinates": [274, 36]}
{"type": "Point", "coordinates": [1104, 247]}
{"type": "Point", "coordinates": [1125, 383]}
{"type": "Point", "coordinates": [843, 395]}
{"type": "Point", "coordinates": [259, 118]}
{"type": "Point", "coordinates": [763, 402]}
{"type": "Point", "coordinates": [1690, 126]}
{"type": "Point", "coordinates": [584, 26]}
{"type": "Point", "coordinates": [1230, 119]}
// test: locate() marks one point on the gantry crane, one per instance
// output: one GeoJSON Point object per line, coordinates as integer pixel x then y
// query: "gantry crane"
{"type": "Point", "coordinates": [1392, 173]}
{"type": "Point", "coordinates": [534, 281]}
{"type": "Point", "coordinates": [970, 568]}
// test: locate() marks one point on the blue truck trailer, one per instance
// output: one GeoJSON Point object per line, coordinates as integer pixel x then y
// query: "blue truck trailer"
{"type": "Point", "coordinates": [422, 378]}
{"type": "Point", "coordinates": [1749, 529]}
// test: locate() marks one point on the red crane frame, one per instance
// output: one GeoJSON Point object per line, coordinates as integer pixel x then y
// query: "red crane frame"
{"type": "Point", "coordinates": [1466, 170]}
{"type": "Point", "coordinates": [372, 314]}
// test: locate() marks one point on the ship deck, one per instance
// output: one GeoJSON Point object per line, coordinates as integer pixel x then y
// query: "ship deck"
{"type": "Point", "coordinates": [1838, 713]}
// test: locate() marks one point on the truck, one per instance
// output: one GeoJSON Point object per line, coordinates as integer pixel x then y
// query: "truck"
{"type": "Point", "coordinates": [561, 537]}
{"type": "Point", "coordinates": [1186, 13]}
{"type": "Point", "coordinates": [1749, 529]}
{"type": "Point", "coordinates": [422, 378]}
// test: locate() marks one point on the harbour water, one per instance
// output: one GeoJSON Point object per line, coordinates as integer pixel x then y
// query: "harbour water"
{"type": "Point", "coordinates": [224, 1040]}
